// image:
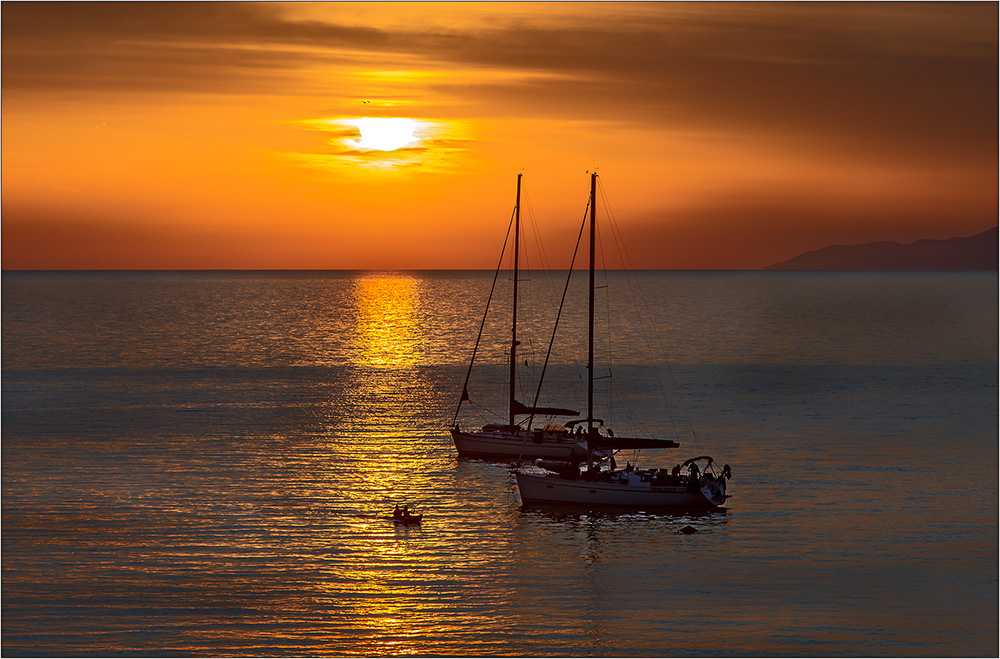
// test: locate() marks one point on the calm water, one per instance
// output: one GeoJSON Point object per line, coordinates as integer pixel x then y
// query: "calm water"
{"type": "Point", "coordinates": [201, 464]}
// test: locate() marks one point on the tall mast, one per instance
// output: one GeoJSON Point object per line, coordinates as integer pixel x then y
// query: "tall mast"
{"type": "Point", "coordinates": [590, 327]}
{"type": "Point", "coordinates": [513, 331]}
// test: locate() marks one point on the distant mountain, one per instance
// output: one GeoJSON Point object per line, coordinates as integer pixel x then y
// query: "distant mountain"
{"type": "Point", "coordinates": [978, 252]}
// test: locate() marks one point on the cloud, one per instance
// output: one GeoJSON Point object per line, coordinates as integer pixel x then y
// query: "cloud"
{"type": "Point", "coordinates": [886, 77]}
{"type": "Point", "coordinates": [913, 79]}
{"type": "Point", "coordinates": [437, 147]}
{"type": "Point", "coordinates": [689, 100]}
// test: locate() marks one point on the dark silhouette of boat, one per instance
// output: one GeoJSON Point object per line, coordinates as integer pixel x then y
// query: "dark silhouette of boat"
{"type": "Point", "coordinates": [696, 483]}
{"type": "Point", "coordinates": [404, 517]}
{"type": "Point", "coordinates": [514, 438]}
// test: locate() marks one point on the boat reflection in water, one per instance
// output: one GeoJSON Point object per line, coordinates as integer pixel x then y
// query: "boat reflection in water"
{"type": "Point", "coordinates": [669, 518]}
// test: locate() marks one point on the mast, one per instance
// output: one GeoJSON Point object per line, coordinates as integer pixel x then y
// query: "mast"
{"type": "Point", "coordinates": [513, 330]}
{"type": "Point", "coordinates": [590, 324]}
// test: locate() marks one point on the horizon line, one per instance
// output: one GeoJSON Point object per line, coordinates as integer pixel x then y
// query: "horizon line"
{"type": "Point", "coordinates": [305, 270]}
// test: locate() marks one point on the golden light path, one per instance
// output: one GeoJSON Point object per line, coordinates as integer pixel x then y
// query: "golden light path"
{"type": "Point", "coordinates": [386, 335]}
{"type": "Point", "coordinates": [401, 591]}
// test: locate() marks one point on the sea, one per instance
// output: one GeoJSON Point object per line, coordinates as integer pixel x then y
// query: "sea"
{"type": "Point", "coordinates": [205, 464]}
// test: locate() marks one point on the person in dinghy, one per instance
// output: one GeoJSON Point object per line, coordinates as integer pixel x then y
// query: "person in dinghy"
{"type": "Point", "coordinates": [405, 516]}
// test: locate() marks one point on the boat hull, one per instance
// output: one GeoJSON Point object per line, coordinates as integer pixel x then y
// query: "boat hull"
{"type": "Point", "coordinates": [550, 488]}
{"type": "Point", "coordinates": [510, 446]}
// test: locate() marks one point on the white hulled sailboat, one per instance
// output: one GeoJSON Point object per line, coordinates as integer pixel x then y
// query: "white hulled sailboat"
{"type": "Point", "coordinates": [695, 483]}
{"type": "Point", "coordinates": [516, 440]}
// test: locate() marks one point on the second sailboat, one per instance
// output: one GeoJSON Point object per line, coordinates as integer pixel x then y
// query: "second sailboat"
{"type": "Point", "coordinates": [513, 439]}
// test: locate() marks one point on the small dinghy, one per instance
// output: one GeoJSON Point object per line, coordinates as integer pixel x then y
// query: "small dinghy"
{"type": "Point", "coordinates": [405, 517]}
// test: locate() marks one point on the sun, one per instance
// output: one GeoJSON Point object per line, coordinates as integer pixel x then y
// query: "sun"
{"type": "Point", "coordinates": [385, 134]}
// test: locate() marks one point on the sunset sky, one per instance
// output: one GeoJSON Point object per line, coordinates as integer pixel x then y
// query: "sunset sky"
{"type": "Point", "coordinates": [226, 135]}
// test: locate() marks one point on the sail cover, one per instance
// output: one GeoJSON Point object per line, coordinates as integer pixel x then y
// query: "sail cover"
{"type": "Point", "coordinates": [599, 441]}
{"type": "Point", "coordinates": [521, 408]}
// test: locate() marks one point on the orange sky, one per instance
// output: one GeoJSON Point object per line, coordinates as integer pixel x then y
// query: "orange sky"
{"type": "Point", "coordinates": [224, 135]}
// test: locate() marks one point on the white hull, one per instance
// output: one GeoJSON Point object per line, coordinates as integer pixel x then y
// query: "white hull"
{"type": "Point", "coordinates": [622, 490]}
{"type": "Point", "coordinates": [523, 445]}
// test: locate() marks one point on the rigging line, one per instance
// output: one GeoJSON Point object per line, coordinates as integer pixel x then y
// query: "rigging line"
{"type": "Point", "coordinates": [527, 261]}
{"type": "Point", "coordinates": [630, 278]}
{"type": "Point", "coordinates": [626, 258]}
{"type": "Point", "coordinates": [632, 281]}
{"type": "Point", "coordinates": [637, 427]}
{"type": "Point", "coordinates": [482, 324]}
{"type": "Point", "coordinates": [633, 284]}
{"type": "Point", "coordinates": [547, 286]}
{"type": "Point", "coordinates": [485, 413]}
{"type": "Point", "coordinates": [626, 268]}
{"type": "Point", "coordinates": [550, 280]}
{"type": "Point", "coordinates": [562, 302]}
{"type": "Point", "coordinates": [549, 283]}
{"type": "Point", "coordinates": [528, 294]}
{"type": "Point", "coordinates": [535, 232]}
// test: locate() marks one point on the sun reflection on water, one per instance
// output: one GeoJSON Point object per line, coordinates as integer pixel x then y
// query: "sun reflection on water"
{"type": "Point", "coordinates": [386, 331]}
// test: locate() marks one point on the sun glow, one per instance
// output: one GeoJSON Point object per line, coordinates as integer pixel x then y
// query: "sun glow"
{"type": "Point", "coordinates": [385, 134]}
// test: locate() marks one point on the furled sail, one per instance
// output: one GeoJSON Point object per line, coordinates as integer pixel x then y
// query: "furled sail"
{"type": "Point", "coordinates": [520, 408]}
{"type": "Point", "coordinates": [596, 441]}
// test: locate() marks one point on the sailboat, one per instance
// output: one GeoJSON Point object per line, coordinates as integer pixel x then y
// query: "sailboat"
{"type": "Point", "coordinates": [695, 483]}
{"type": "Point", "coordinates": [514, 438]}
